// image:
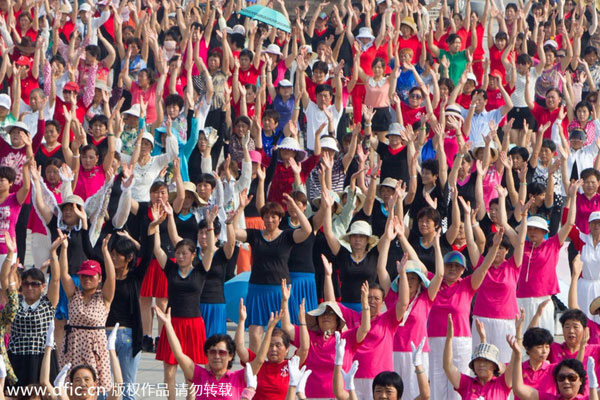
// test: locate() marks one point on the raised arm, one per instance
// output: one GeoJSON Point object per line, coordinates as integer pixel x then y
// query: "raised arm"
{"type": "Point", "coordinates": [450, 369]}
{"type": "Point", "coordinates": [365, 315]}
{"type": "Point", "coordinates": [187, 364]}
{"type": "Point", "coordinates": [479, 274]}
{"type": "Point", "coordinates": [109, 284]}
{"type": "Point", "coordinates": [65, 278]}
{"type": "Point", "coordinates": [519, 388]}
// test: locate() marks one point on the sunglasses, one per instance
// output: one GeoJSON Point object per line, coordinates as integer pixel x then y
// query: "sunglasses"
{"type": "Point", "coordinates": [570, 377]}
{"type": "Point", "coordinates": [31, 284]}
{"type": "Point", "coordinates": [68, 91]}
{"type": "Point", "coordinates": [220, 352]}
{"type": "Point", "coordinates": [415, 96]}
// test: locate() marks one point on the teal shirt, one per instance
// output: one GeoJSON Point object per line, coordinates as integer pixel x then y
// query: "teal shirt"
{"type": "Point", "coordinates": [458, 64]}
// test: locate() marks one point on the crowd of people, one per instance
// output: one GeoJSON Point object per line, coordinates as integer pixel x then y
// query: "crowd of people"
{"type": "Point", "coordinates": [402, 179]}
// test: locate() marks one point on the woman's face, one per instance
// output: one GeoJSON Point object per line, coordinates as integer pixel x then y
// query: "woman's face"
{"type": "Point", "coordinates": [219, 357]}
{"type": "Point", "coordinates": [452, 272]}
{"type": "Point", "coordinates": [465, 169]}
{"type": "Point", "coordinates": [385, 393]}
{"type": "Point", "coordinates": [494, 208]}
{"type": "Point", "coordinates": [244, 63]}
{"type": "Point", "coordinates": [406, 31]}
{"type": "Point", "coordinates": [184, 255]}
{"type": "Point", "coordinates": [535, 235]}
{"type": "Point", "coordinates": [500, 255]}
{"type": "Point", "coordinates": [454, 47]}
{"type": "Point", "coordinates": [387, 192]}
{"type": "Point", "coordinates": [241, 129]}
{"type": "Point", "coordinates": [98, 130]}
{"type": "Point", "coordinates": [84, 385]}
{"type": "Point", "coordinates": [415, 98]}
{"type": "Point", "coordinates": [573, 332]}
{"type": "Point", "coordinates": [318, 76]}
{"type": "Point", "coordinates": [359, 242]}
{"type": "Point", "coordinates": [32, 289]}
{"type": "Point", "coordinates": [546, 155]}
{"type": "Point", "coordinates": [214, 63]}
{"type": "Point", "coordinates": [271, 222]}
{"type": "Point", "coordinates": [69, 216]}
{"type": "Point", "coordinates": [583, 114]}
{"type": "Point", "coordinates": [444, 91]}
{"type": "Point", "coordinates": [119, 260]}
{"type": "Point", "coordinates": [15, 137]}
{"type": "Point", "coordinates": [550, 59]}
{"type": "Point", "coordinates": [90, 283]}
{"type": "Point", "coordinates": [428, 177]}
{"type": "Point", "coordinates": [285, 92]}
{"type": "Point", "coordinates": [144, 79]}
{"type": "Point", "coordinates": [426, 226]}
{"type": "Point", "coordinates": [539, 353]}
{"type": "Point", "coordinates": [188, 201]}
{"type": "Point", "coordinates": [161, 195]}
{"type": "Point", "coordinates": [552, 100]}
{"type": "Point", "coordinates": [51, 135]}
{"type": "Point", "coordinates": [277, 350]}
{"type": "Point", "coordinates": [413, 283]}
{"type": "Point", "coordinates": [173, 110]}
{"type": "Point", "coordinates": [378, 70]}
{"type": "Point", "coordinates": [204, 190]}
{"type": "Point", "coordinates": [89, 159]}
{"type": "Point", "coordinates": [52, 175]}
{"type": "Point", "coordinates": [595, 228]}
{"type": "Point", "coordinates": [394, 141]}
{"type": "Point", "coordinates": [24, 24]}
{"type": "Point", "coordinates": [484, 369]}
{"type": "Point", "coordinates": [568, 383]}
{"type": "Point", "coordinates": [286, 154]}
{"type": "Point", "coordinates": [328, 321]}
{"type": "Point", "coordinates": [203, 237]}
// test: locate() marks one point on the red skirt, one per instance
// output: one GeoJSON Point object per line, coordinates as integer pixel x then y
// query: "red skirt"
{"type": "Point", "coordinates": [191, 334]}
{"type": "Point", "coordinates": [155, 282]}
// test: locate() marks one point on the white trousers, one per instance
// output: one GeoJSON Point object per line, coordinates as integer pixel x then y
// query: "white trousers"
{"type": "Point", "coordinates": [495, 331]}
{"type": "Point", "coordinates": [40, 249]}
{"type": "Point", "coordinates": [441, 388]}
{"type": "Point", "coordinates": [364, 388]}
{"type": "Point", "coordinates": [404, 367]}
{"type": "Point", "coordinates": [530, 304]}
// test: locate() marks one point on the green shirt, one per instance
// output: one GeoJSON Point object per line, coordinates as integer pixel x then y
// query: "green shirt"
{"type": "Point", "coordinates": [458, 63]}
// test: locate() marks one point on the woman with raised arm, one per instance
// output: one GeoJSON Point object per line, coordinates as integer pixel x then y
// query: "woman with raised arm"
{"type": "Point", "coordinates": [186, 278]}
{"type": "Point", "coordinates": [271, 248]}
{"type": "Point", "coordinates": [220, 350]}
{"type": "Point", "coordinates": [85, 339]}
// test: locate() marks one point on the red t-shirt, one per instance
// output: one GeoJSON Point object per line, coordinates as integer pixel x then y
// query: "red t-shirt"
{"type": "Point", "coordinates": [60, 117]}
{"type": "Point", "coordinates": [413, 43]}
{"type": "Point", "coordinates": [478, 54]}
{"type": "Point", "coordinates": [67, 29]}
{"type": "Point", "coordinates": [27, 85]}
{"type": "Point", "coordinates": [495, 100]}
{"type": "Point", "coordinates": [179, 85]}
{"type": "Point", "coordinates": [464, 100]}
{"type": "Point", "coordinates": [543, 115]}
{"type": "Point", "coordinates": [412, 115]}
{"type": "Point", "coordinates": [273, 380]}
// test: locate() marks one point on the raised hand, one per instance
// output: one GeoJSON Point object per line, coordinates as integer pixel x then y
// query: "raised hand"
{"type": "Point", "coordinates": [349, 376]}
{"type": "Point", "coordinates": [417, 352]}
{"type": "Point", "coordinates": [111, 342]}
{"type": "Point", "coordinates": [340, 349]}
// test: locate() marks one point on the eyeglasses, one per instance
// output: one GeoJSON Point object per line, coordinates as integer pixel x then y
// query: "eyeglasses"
{"type": "Point", "coordinates": [570, 377]}
{"type": "Point", "coordinates": [220, 352]}
{"type": "Point", "coordinates": [31, 284]}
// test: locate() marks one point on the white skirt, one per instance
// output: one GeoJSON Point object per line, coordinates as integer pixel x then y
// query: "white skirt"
{"type": "Point", "coordinates": [587, 291]}
{"type": "Point", "coordinates": [404, 367]}
{"type": "Point", "coordinates": [530, 304]}
{"type": "Point", "coordinates": [364, 388]}
{"type": "Point", "coordinates": [440, 386]}
{"type": "Point", "coordinates": [495, 331]}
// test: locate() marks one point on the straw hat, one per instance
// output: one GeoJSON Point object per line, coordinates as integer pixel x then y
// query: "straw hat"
{"type": "Point", "coordinates": [360, 196]}
{"type": "Point", "coordinates": [311, 316]}
{"type": "Point", "coordinates": [410, 22]}
{"type": "Point", "coordinates": [361, 228]}
{"type": "Point", "coordinates": [189, 187]}
{"type": "Point", "coordinates": [595, 306]}
{"type": "Point", "coordinates": [489, 352]}
{"type": "Point", "coordinates": [289, 143]}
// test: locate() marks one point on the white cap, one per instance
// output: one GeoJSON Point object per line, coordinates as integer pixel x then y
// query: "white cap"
{"type": "Point", "coordinates": [135, 110]}
{"type": "Point", "coordinates": [537, 222]}
{"type": "Point", "coordinates": [595, 216]}
{"type": "Point", "coordinates": [552, 43]}
{"type": "Point", "coordinates": [285, 83]}
{"type": "Point", "coordinates": [85, 7]}
{"type": "Point", "coordinates": [148, 136]}
{"type": "Point", "coordinates": [273, 49]}
{"type": "Point", "coordinates": [329, 142]}
{"type": "Point", "coordinates": [308, 48]}
{"type": "Point", "coordinates": [395, 128]}
{"type": "Point", "coordinates": [365, 32]}
{"type": "Point", "coordinates": [471, 76]}
{"type": "Point", "coordinates": [5, 101]}
{"type": "Point", "coordinates": [239, 29]}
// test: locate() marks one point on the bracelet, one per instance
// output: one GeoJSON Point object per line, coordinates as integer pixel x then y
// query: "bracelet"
{"type": "Point", "coordinates": [460, 155]}
{"type": "Point", "coordinates": [519, 337]}
{"type": "Point", "coordinates": [367, 309]}
{"type": "Point", "coordinates": [523, 183]}
{"type": "Point", "coordinates": [413, 176]}
{"type": "Point", "coordinates": [475, 225]}
{"type": "Point", "coordinates": [419, 372]}
{"type": "Point", "coordinates": [296, 108]}
{"type": "Point", "coordinates": [368, 125]}
{"type": "Point", "coordinates": [12, 284]}
{"type": "Point", "coordinates": [210, 229]}
{"type": "Point", "coordinates": [304, 324]}
{"type": "Point", "coordinates": [76, 155]}
{"type": "Point", "coordinates": [110, 134]}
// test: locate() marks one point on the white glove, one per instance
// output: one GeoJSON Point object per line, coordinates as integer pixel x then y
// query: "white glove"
{"type": "Point", "coordinates": [2, 368]}
{"type": "Point", "coordinates": [295, 371]}
{"type": "Point", "coordinates": [245, 140]}
{"type": "Point", "coordinates": [302, 384]}
{"type": "Point", "coordinates": [211, 136]}
{"type": "Point", "coordinates": [417, 353]}
{"type": "Point", "coordinates": [62, 376]}
{"type": "Point", "coordinates": [349, 376]}
{"type": "Point", "coordinates": [112, 338]}
{"type": "Point", "coordinates": [251, 379]}
{"type": "Point", "coordinates": [591, 371]}
{"type": "Point", "coordinates": [50, 334]}
{"type": "Point", "coordinates": [340, 349]}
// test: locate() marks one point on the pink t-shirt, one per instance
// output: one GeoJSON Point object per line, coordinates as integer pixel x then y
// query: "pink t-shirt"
{"type": "Point", "coordinates": [207, 387]}
{"type": "Point", "coordinates": [584, 208]}
{"type": "Point", "coordinates": [149, 96]}
{"type": "Point", "coordinates": [320, 360]}
{"type": "Point", "coordinates": [538, 270]}
{"type": "Point", "coordinates": [415, 327]}
{"type": "Point", "coordinates": [472, 389]}
{"type": "Point", "coordinates": [455, 299]}
{"type": "Point", "coordinates": [550, 396]}
{"type": "Point", "coordinates": [9, 213]}
{"type": "Point", "coordinates": [376, 352]}
{"type": "Point", "coordinates": [594, 332]}
{"type": "Point", "coordinates": [490, 180]}
{"type": "Point", "coordinates": [542, 379]}
{"type": "Point", "coordinates": [89, 182]}
{"type": "Point", "coordinates": [497, 297]}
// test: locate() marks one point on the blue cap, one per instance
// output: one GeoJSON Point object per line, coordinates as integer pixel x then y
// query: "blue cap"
{"type": "Point", "coordinates": [455, 257]}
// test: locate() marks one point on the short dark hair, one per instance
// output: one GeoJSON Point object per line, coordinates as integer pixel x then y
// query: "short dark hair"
{"type": "Point", "coordinates": [284, 336]}
{"type": "Point", "coordinates": [8, 172]}
{"type": "Point", "coordinates": [430, 213]}
{"type": "Point", "coordinates": [511, 5]}
{"type": "Point", "coordinates": [134, 40]}
{"type": "Point", "coordinates": [59, 59]}
{"type": "Point", "coordinates": [452, 37]}
{"type": "Point", "coordinates": [431, 165]}
{"type": "Point", "coordinates": [125, 247]}
{"type": "Point", "coordinates": [574, 315]}
{"type": "Point", "coordinates": [576, 366]}
{"type": "Point", "coordinates": [479, 91]}
{"type": "Point", "coordinates": [272, 208]}
{"type": "Point", "coordinates": [389, 378]}
{"type": "Point", "coordinates": [521, 151]}
{"type": "Point", "coordinates": [157, 185]}
{"type": "Point", "coordinates": [35, 274]}
{"type": "Point", "coordinates": [99, 118]}
{"type": "Point", "coordinates": [206, 178]}
{"type": "Point", "coordinates": [270, 113]}
{"type": "Point", "coordinates": [501, 36]}
{"type": "Point", "coordinates": [322, 88]}
{"type": "Point", "coordinates": [524, 59]}
{"type": "Point", "coordinates": [242, 119]}
{"type": "Point", "coordinates": [298, 195]}
{"type": "Point", "coordinates": [215, 225]}
{"type": "Point", "coordinates": [549, 144]}
{"type": "Point", "coordinates": [93, 50]}
{"type": "Point", "coordinates": [586, 173]}
{"type": "Point", "coordinates": [246, 53]}
{"type": "Point", "coordinates": [537, 337]}
{"type": "Point", "coordinates": [320, 66]}
{"type": "Point", "coordinates": [536, 188]}
{"type": "Point", "coordinates": [174, 99]}
{"type": "Point", "coordinates": [446, 82]}
{"type": "Point", "coordinates": [89, 147]}
{"type": "Point", "coordinates": [83, 366]}
{"type": "Point", "coordinates": [190, 244]}
{"type": "Point", "coordinates": [590, 50]}
{"type": "Point", "coordinates": [216, 339]}
{"type": "Point", "coordinates": [54, 123]}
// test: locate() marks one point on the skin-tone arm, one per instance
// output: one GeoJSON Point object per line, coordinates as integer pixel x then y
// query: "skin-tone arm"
{"type": "Point", "coordinates": [384, 247]}
{"type": "Point", "coordinates": [187, 364]}
{"type": "Point", "coordinates": [519, 388]}
{"type": "Point", "coordinates": [370, 198]}
{"type": "Point", "coordinates": [479, 274]}
{"type": "Point", "coordinates": [453, 229]}
{"type": "Point", "coordinates": [65, 278]}
{"type": "Point", "coordinates": [365, 315]}
{"type": "Point", "coordinates": [286, 324]}
{"type": "Point", "coordinates": [332, 240]}
{"type": "Point", "coordinates": [109, 284]}
{"type": "Point", "coordinates": [572, 204]}
{"type": "Point", "coordinates": [577, 268]}
{"type": "Point", "coordinates": [328, 291]}
{"type": "Point", "coordinates": [403, 298]}
{"type": "Point", "coordinates": [432, 47]}
{"type": "Point", "coordinates": [450, 369]}
{"type": "Point", "coordinates": [472, 248]}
